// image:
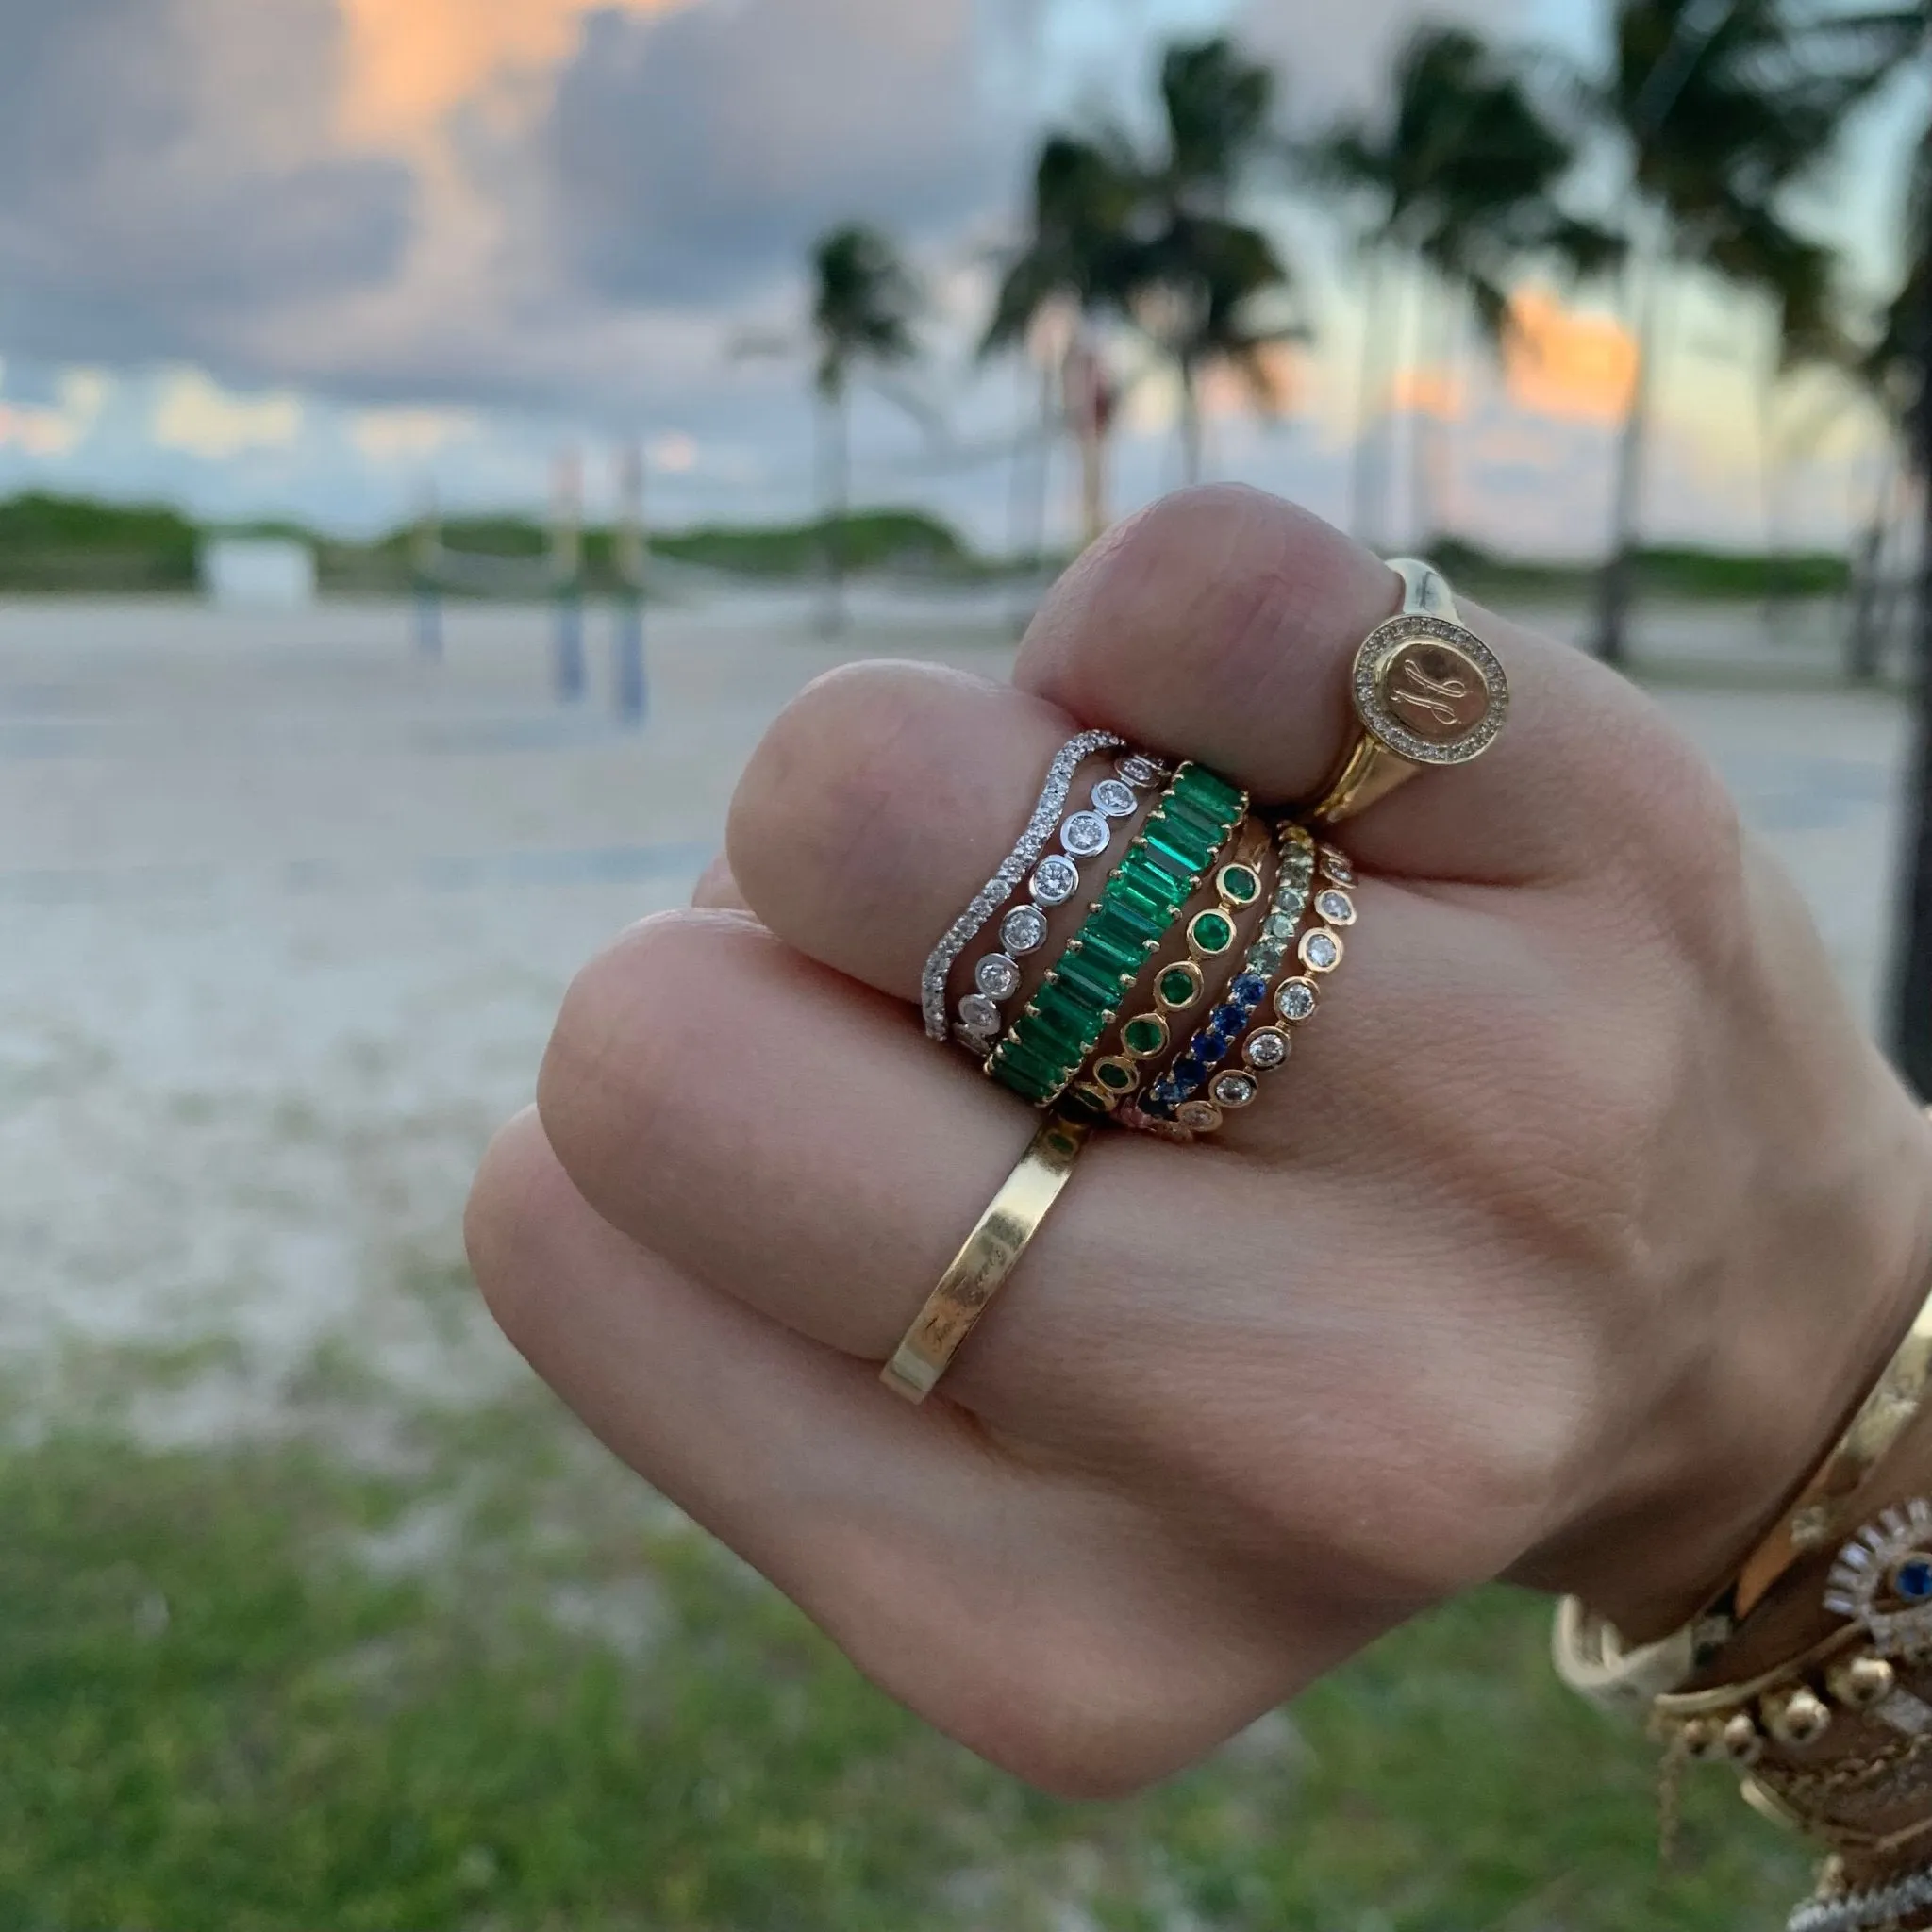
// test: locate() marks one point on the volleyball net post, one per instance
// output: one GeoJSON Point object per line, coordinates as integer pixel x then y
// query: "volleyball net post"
{"type": "Point", "coordinates": [630, 562]}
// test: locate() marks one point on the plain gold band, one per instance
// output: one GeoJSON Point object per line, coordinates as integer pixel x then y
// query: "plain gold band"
{"type": "Point", "coordinates": [992, 1252]}
{"type": "Point", "coordinates": [1371, 771]}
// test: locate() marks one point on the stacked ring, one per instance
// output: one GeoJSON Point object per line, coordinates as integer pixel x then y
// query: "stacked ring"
{"type": "Point", "coordinates": [992, 1252]}
{"type": "Point", "coordinates": [1047, 1047]}
{"type": "Point", "coordinates": [1176, 1102]}
{"type": "Point", "coordinates": [1181, 987]}
{"type": "Point", "coordinates": [1005, 881]}
{"type": "Point", "coordinates": [1176, 1097]}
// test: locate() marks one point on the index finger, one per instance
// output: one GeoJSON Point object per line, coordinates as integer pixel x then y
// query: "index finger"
{"type": "Point", "coordinates": [1222, 624]}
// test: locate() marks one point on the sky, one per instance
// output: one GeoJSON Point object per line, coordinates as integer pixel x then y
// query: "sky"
{"type": "Point", "coordinates": [322, 257]}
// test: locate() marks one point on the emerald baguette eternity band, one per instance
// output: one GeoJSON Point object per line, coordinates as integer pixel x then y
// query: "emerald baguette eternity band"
{"type": "Point", "coordinates": [1047, 1047]}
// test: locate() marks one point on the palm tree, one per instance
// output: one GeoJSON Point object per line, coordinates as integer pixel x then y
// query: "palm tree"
{"type": "Point", "coordinates": [865, 303]}
{"type": "Point", "coordinates": [1078, 260]}
{"type": "Point", "coordinates": [1457, 185]}
{"type": "Point", "coordinates": [1207, 285]}
{"type": "Point", "coordinates": [1204, 285]}
{"type": "Point", "coordinates": [1896, 40]}
{"type": "Point", "coordinates": [1122, 239]}
{"type": "Point", "coordinates": [1721, 111]}
{"type": "Point", "coordinates": [1878, 46]}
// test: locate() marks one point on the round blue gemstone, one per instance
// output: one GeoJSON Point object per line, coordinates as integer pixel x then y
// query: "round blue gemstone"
{"type": "Point", "coordinates": [1188, 1075]}
{"type": "Point", "coordinates": [1250, 991]}
{"type": "Point", "coordinates": [1913, 1579]}
{"type": "Point", "coordinates": [1229, 1022]}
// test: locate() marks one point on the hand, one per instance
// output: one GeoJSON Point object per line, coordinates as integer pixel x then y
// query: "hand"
{"type": "Point", "coordinates": [1581, 1218]}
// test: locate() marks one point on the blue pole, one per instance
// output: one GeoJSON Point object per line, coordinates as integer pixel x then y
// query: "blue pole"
{"type": "Point", "coordinates": [633, 677]}
{"type": "Point", "coordinates": [570, 645]}
{"type": "Point", "coordinates": [428, 623]}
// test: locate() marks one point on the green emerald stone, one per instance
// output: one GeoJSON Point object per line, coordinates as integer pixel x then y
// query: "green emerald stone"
{"type": "Point", "coordinates": [1179, 989]}
{"type": "Point", "coordinates": [1049, 1056]}
{"type": "Point", "coordinates": [1201, 787]}
{"type": "Point", "coordinates": [1118, 952]}
{"type": "Point", "coordinates": [1116, 1079]}
{"type": "Point", "coordinates": [1062, 1020]}
{"type": "Point", "coordinates": [1089, 975]}
{"type": "Point", "coordinates": [1145, 1035]}
{"type": "Point", "coordinates": [1198, 827]}
{"type": "Point", "coordinates": [1024, 1078]}
{"type": "Point", "coordinates": [1179, 854]}
{"type": "Point", "coordinates": [1212, 932]}
{"type": "Point", "coordinates": [1144, 909]}
{"type": "Point", "coordinates": [1143, 887]}
{"type": "Point", "coordinates": [1030, 1058]}
{"type": "Point", "coordinates": [1123, 922]}
{"type": "Point", "coordinates": [1242, 883]}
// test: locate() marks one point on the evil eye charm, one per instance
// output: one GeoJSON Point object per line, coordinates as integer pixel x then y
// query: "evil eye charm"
{"type": "Point", "coordinates": [1883, 1579]}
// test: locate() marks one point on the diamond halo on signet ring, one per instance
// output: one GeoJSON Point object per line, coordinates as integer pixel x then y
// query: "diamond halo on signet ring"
{"type": "Point", "coordinates": [1428, 692]}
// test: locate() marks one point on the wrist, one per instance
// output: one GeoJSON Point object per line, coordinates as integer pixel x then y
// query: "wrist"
{"type": "Point", "coordinates": [1808, 1308]}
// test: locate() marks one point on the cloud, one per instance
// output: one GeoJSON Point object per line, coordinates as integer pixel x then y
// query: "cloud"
{"type": "Point", "coordinates": [411, 436]}
{"type": "Point", "coordinates": [195, 414]}
{"type": "Point", "coordinates": [695, 156]}
{"type": "Point", "coordinates": [1321, 58]}
{"type": "Point", "coordinates": [412, 63]}
{"type": "Point", "coordinates": [169, 168]}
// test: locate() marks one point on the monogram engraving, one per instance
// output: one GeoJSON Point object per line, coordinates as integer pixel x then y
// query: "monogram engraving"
{"type": "Point", "coordinates": [1431, 698]}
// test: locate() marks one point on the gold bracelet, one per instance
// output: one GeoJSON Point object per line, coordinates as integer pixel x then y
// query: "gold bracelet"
{"type": "Point", "coordinates": [992, 1252]}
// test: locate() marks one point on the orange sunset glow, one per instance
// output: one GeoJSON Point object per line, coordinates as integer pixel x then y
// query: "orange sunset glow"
{"type": "Point", "coordinates": [1560, 362]}
{"type": "Point", "coordinates": [1429, 392]}
{"type": "Point", "coordinates": [411, 61]}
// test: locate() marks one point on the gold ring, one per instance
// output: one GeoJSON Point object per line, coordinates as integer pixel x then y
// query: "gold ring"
{"type": "Point", "coordinates": [1428, 693]}
{"type": "Point", "coordinates": [992, 1252]}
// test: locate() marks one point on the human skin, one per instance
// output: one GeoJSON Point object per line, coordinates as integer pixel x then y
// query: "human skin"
{"type": "Point", "coordinates": [1581, 1220]}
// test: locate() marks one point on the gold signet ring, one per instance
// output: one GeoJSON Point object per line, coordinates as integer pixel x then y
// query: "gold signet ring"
{"type": "Point", "coordinates": [1428, 693]}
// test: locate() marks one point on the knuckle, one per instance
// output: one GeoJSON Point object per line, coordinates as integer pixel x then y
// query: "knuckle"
{"type": "Point", "coordinates": [821, 805]}
{"type": "Point", "coordinates": [617, 1064]}
{"type": "Point", "coordinates": [508, 1223]}
{"type": "Point", "coordinates": [1077, 1733]}
{"type": "Point", "coordinates": [1212, 606]}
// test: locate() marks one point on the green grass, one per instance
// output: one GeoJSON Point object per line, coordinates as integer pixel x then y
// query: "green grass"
{"type": "Point", "coordinates": [482, 1680]}
{"type": "Point", "coordinates": [54, 543]}
{"type": "Point", "coordinates": [1676, 574]}
{"type": "Point", "coordinates": [49, 543]}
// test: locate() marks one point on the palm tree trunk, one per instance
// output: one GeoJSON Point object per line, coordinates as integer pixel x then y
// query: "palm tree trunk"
{"type": "Point", "coordinates": [1192, 437]}
{"type": "Point", "coordinates": [1422, 510]}
{"type": "Point", "coordinates": [1617, 582]}
{"type": "Point", "coordinates": [1912, 1014]}
{"type": "Point", "coordinates": [1366, 468]}
{"type": "Point", "coordinates": [835, 495]}
{"type": "Point", "coordinates": [1768, 461]}
{"type": "Point", "coordinates": [1032, 486]}
{"type": "Point", "coordinates": [1447, 470]}
{"type": "Point", "coordinates": [1868, 621]}
{"type": "Point", "coordinates": [1093, 518]}
{"type": "Point", "coordinates": [1089, 407]}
